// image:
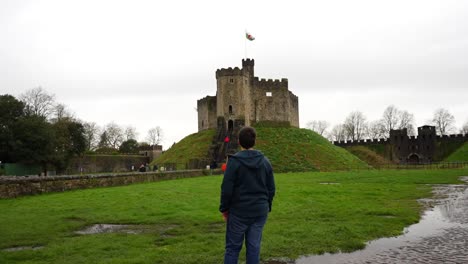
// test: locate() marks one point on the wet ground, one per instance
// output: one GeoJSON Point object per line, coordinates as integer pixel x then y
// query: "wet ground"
{"type": "Point", "coordinates": [440, 237]}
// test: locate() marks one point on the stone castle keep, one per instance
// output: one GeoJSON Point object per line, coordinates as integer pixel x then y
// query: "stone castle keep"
{"type": "Point", "coordinates": [243, 99]}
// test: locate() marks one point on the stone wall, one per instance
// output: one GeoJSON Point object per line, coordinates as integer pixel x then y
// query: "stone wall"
{"type": "Point", "coordinates": [105, 163]}
{"type": "Point", "coordinates": [14, 186]}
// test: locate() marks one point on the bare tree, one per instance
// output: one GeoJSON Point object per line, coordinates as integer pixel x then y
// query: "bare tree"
{"type": "Point", "coordinates": [395, 119]}
{"type": "Point", "coordinates": [91, 135]}
{"type": "Point", "coordinates": [375, 130]}
{"type": "Point", "coordinates": [319, 126]}
{"type": "Point", "coordinates": [443, 121]}
{"type": "Point", "coordinates": [355, 126]}
{"type": "Point", "coordinates": [59, 112]}
{"type": "Point", "coordinates": [464, 129]}
{"type": "Point", "coordinates": [337, 133]}
{"type": "Point", "coordinates": [114, 135]}
{"type": "Point", "coordinates": [390, 119]}
{"type": "Point", "coordinates": [38, 102]}
{"type": "Point", "coordinates": [130, 133]}
{"type": "Point", "coordinates": [406, 120]}
{"type": "Point", "coordinates": [155, 135]}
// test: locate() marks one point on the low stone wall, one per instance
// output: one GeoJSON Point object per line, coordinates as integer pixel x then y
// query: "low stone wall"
{"type": "Point", "coordinates": [14, 186]}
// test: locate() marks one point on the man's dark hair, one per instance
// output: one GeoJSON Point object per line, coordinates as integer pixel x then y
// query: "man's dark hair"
{"type": "Point", "coordinates": [247, 136]}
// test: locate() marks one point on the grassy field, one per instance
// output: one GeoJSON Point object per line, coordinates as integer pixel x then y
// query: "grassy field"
{"type": "Point", "coordinates": [181, 223]}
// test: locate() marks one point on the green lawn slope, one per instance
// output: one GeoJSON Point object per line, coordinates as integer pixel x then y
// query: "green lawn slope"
{"type": "Point", "coordinates": [194, 146]}
{"type": "Point", "coordinates": [371, 157]}
{"type": "Point", "coordinates": [289, 149]}
{"type": "Point", "coordinates": [296, 149]}
{"type": "Point", "coordinates": [461, 154]}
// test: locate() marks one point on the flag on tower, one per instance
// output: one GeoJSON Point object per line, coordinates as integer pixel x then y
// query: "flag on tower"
{"type": "Point", "coordinates": [249, 36]}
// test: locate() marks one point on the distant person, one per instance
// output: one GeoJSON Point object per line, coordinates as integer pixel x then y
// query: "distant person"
{"type": "Point", "coordinates": [213, 165]}
{"type": "Point", "coordinates": [226, 139]}
{"type": "Point", "coordinates": [142, 168]}
{"type": "Point", "coordinates": [247, 194]}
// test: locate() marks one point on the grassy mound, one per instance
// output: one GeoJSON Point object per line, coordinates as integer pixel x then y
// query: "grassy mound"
{"type": "Point", "coordinates": [461, 154]}
{"type": "Point", "coordinates": [289, 149]}
{"type": "Point", "coordinates": [369, 156]}
{"type": "Point", "coordinates": [194, 146]}
{"type": "Point", "coordinates": [295, 149]}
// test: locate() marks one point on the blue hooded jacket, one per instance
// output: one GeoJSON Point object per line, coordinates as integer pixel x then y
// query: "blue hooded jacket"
{"type": "Point", "coordinates": [248, 185]}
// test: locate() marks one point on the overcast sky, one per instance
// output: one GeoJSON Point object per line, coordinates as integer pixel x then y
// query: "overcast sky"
{"type": "Point", "coordinates": [145, 63]}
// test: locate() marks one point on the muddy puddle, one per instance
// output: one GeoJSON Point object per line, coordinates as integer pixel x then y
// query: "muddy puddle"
{"type": "Point", "coordinates": [13, 249]}
{"type": "Point", "coordinates": [127, 229]}
{"type": "Point", "coordinates": [441, 236]}
{"type": "Point", "coordinates": [110, 228]}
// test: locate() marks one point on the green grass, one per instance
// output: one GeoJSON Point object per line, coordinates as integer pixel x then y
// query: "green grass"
{"type": "Point", "coordinates": [461, 154]}
{"type": "Point", "coordinates": [366, 154]}
{"type": "Point", "coordinates": [194, 146]}
{"type": "Point", "coordinates": [445, 148]}
{"type": "Point", "coordinates": [289, 149]}
{"type": "Point", "coordinates": [184, 226]}
{"type": "Point", "coordinates": [295, 149]}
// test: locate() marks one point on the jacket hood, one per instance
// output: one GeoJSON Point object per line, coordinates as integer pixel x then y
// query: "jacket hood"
{"type": "Point", "coordinates": [252, 159]}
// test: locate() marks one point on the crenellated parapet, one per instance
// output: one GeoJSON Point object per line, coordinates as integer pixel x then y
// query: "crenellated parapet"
{"type": "Point", "coordinates": [230, 72]}
{"type": "Point", "coordinates": [248, 62]}
{"type": "Point", "coordinates": [453, 137]}
{"type": "Point", "coordinates": [270, 83]}
{"type": "Point", "coordinates": [362, 142]}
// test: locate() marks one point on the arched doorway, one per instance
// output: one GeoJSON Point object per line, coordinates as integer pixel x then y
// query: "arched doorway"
{"type": "Point", "coordinates": [230, 126]}
{"type": "Point", "coordinates": [413, 158]}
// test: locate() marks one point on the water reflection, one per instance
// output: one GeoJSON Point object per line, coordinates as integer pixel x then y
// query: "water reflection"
{"type": "Point", "coordinates": [449, 212]}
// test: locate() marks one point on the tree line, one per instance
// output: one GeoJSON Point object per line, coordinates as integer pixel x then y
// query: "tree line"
{"type": "Point", "coordinates": [356, 126]}
{"type": "Point", "coordinates": [36, 129]}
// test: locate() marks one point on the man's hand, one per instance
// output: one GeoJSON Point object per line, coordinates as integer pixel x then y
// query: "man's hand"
{"type": "Point", "coordinates": [225, 215]}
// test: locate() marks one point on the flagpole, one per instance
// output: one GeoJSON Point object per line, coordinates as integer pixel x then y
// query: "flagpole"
{"type": "Point", "coordinates": [245, 45]}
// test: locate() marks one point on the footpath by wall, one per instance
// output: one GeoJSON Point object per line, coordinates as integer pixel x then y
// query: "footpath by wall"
{"type": "Point", "coordinates": [15, 186]}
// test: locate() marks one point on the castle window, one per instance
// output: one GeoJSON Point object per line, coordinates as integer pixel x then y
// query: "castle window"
{"type": "Point", "coordinates": [268, 94]}
{"type": "Point", "coordinates": [231, 80]}
{"type": "Point", "coordinates": [202, 123]}
{"type": "Point", "coordinates": [230, 109]}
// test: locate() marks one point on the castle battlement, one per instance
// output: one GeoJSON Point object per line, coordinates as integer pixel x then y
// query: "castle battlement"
{"type": "Point", "coordinates": [270, 83]}
{"type": "Point", "coordinates": [248, 62]}
{"type": "Point", "coordinates": [230, 72]}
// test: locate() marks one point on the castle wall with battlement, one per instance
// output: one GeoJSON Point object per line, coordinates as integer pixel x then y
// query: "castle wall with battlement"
{"type": "Point", "coordinates": [426, 147]}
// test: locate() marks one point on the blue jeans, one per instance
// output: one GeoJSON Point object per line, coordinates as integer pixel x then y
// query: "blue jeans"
{"type": "Point", "coordinates": [236, 229]}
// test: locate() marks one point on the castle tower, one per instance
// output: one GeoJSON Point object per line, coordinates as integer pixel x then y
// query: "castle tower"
{"type": "Point", "coordinates": [233, 94]}
{"type": "Point", "coordinates": [248, 67]}
{"type": "Point", "coordinates": [243, 99]}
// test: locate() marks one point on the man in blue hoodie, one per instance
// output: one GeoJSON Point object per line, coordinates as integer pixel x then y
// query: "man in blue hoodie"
{"type": "Point", "coordinates": [247, 193]}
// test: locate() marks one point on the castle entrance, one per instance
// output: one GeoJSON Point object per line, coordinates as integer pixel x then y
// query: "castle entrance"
{"type": "Point", "coordinates": [230, 126]}
{"type": "Point", "coordinates": [413, 158]}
